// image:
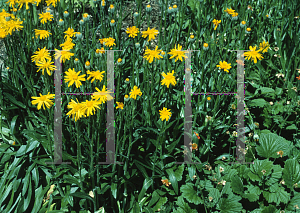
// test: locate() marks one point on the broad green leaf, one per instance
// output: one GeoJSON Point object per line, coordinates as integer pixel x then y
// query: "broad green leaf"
{"type": "Point", "coordinates": [160, 203]}
{"type": "Point", "coordinates": [190, 194]}
{"type": "Point", "coordinates": [294, 201]}
{"type": "Point", "coordinates": [258, 102]}
{"type": "Point", "coordinates": [268, 146]}
{"type": "Point", "coordinates": [230, 204]}
{"type": "Point", "coordinates": [269, 209]}
{"type": "Point", "coordinates": [277, 197]}
{"type": "Point", "coordinates": [260, 168]}
{"type": "Point", "coordinates": [291, 173]}
{"type": "Point", "coordinates": [237, 185]}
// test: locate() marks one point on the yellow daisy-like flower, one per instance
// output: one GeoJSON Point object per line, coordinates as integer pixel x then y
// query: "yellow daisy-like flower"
{"type": "Point", "coordinates": [43, 100]}
{"type": "Point", "coordinates": [76, 110]}
{"type": "Point", "coordinates": [73, 77]}
{"type": "Point", "coordinates": [64, 54]}
{"type": "Point", "coordinates": [109, 42]}
{"type": "Point", "coordinates": [46, 65]}
{"type": "Point", "coordinates": [178, 53]}
{"type": "Point", "coordinates": [70, 32]}
{"type": "Point", "coordinates": [53, 2]}
{"type": "Point", "coordinates": [11, 3]}
{"type": "Point", "coordinates": [101, 40]}
{"type": "Point", "coordinates": [2, 33]}
{"type": "Point", "coordinates": [89, 107]}
{"type": "Point", "coordinates": [151, 33]}
{"type": "Point", "coordinates": [42, 33]}
{"type": "Point", "coordinates": [68, 44]}
{"type": "Point", "coordinates": [165, 114]}
{"type": "Point", "coordinates": [229, 11]}
{"type": "Point", "coordinates": [102, 96]}
{"type": "Point", "coordinates": [96, 75]}
{"type": "Point", "coordinates": [264, 46]}
{"type": "Point", "coordinates": [120, 105]}
{"type": "Point", "coordinates": [216, 23]}
{"type": "Point", "coordinates": [253, 54]}
{"type": "Point", "coordinates": [224, 65]}
{"type": "Point", "coordinates": [151, 54]}
{"type": "Point", "coordinates": [45, 17]}
{"type": "Point", "coordinates": [134, 92]}
{"type": "Point", "coordinates": [41, 55]}
{"type": "Point", "coordinates": [13, 25]}
{"type": "Point", "coordinates": [26, 2]}
{"type": "Point", "coordinates": [132, 31]}
{"type": "Point", "coordinates": [168, 79]}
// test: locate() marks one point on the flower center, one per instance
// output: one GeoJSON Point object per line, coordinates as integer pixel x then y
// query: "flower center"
{"type": "Point", "coordinates": [75, 77]}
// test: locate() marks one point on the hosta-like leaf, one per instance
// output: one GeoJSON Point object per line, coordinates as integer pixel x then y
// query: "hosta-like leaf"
{"type": "Point", "coordinates": [190, 194]}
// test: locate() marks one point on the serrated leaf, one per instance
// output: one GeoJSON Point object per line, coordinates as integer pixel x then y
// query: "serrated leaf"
{"type": "Point", "coordinates": [237, 185]}
{"type": "Point", "coordinates": [291, 172]}
{"type": "Point", "coordinates": [279, 196]}
{"type": "Point", "coordinates": [230, 204]}
{"type": "Point", "coordinates": [190, 194]}
{"type": "Point", "coordinates": [268, 146]}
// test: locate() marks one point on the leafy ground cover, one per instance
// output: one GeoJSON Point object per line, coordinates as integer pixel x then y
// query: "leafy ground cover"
{"type": "Point", "coordinates": [149, 97]}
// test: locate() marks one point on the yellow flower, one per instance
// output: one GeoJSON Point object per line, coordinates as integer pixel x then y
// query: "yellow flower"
{"type": "Point", "coordinates": [253, 54]}
{"type": "Point", "coordinates": [208, 98]}
{"type": "Point", "coordinates": [109, 41]}
{"type": "Point", "coordinates": [45, 17]}
{"type": "Point", "coordinates": [151, 33]}
{"type": "Point", "coordinates": [168, 79]}
{"type": "Point", "coordinates": [127, 79]}
{"type": "Point", "coordinates": [12, 25]}
{"type": "Point", "coordinates": [150, 54]}
{"type": "Point", "coordinates": [132, 31]}
{"type": "Point", "coordinates": [41, 55]}
{"type": "Point", "coordinates": [11, 3]}
{"type": "Point", "coordinates": [216, 23]}
{"type": "Point", "coordinates": [224, 65]}
{"type": "Point", "coordinates": [70, 32]}
{"type": "Point", "coordinates": [126, 96]}
{"type": "Point", "coordinates": [119, 60]}
{"type": "Point", "coordinates": [68, 45]}
{"type": "Point", "coordinates": [73, 77]}
{"type": "Point", "coordinates": [42, 33]}
{"type": "Point", "coordinates": [194, 146]}
{"type": "Point", "coordinates": [102, 96]}
{"type": "Point", "coordinates": [53, 2]}
{"type": "Point", "coordinates": [165, 114]}
{"type": "Point", "coordinates": [45, 65]}
{"type": "Point", "coordinates": [120, 105]}
{"type": "Point", "coordinates": [248, 29]}
{"type": "Point", "coordinates": [87, 63]}
{"type": "Point", "coordinates": [89, 107]}
{"type": "Point", "coordinates": [134, 92]}
{"type": "Point", "coordinates": [76, 110]}
{"type": "Point", "coordinates": [95, 75]}
{"type": "Point", "coordinates": [64, 54]}
{"type": "Point", "coordinates": [178, 53]}
{"type": "Point", "coordinates": [264, 46]}
{"type": "Point", "coordinates": [229, 11]}
{"type": "Point", "coordinates": [43, 100]}
{"type": "Point", "coordinates": [101, 40]}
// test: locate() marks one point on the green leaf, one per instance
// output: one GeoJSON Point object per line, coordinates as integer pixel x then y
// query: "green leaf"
{"type": "Point", "coordinates": [237, 185]}
{"type": "Point", "coordinates": [13, 100]}
{"type": "Point", "coordinates": [28, 198]}
{"type": "Point", "coordinates": [82, 195]}
{"type": "Point", "coordinates": [173, 180]}
{"type": "Point", "coordinates": [294, 201]}
{"type": "Point", "coordinates": [183, 206]}
{"type": "Point", "coordinates": [39, 194]}
{"type": "Point", "coordinates": [291, 173]}
{"type": "Point", "coordinates": [190, 194]}
{"type": "Point", "coordinates": [279, 196]}
{"type": "Point", "coordinates": [179, 172]}
{"type": "Point", "coordinates": [6, 192]}
{"type": "Point", "coordinates": [13, 123]}
{"type": "Point", "coordinates": [293, 126]}
{"type": "Point", "coordinates": [147, 183]}
{"type": "Point", "coordinates": [256, 169]}
{"type": "Point", "coordinates": [258, 102]}
{"type": "Point", "coordinates": [154, 199]}
{"type": "Point", "coordinates": [269, 145]}
{"type": "Point", "coordinates": [269, 209]}
{"type": "Point", "coordinates": [160, 203]}
{"type": "Point", "coordinates": [230, 204]}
